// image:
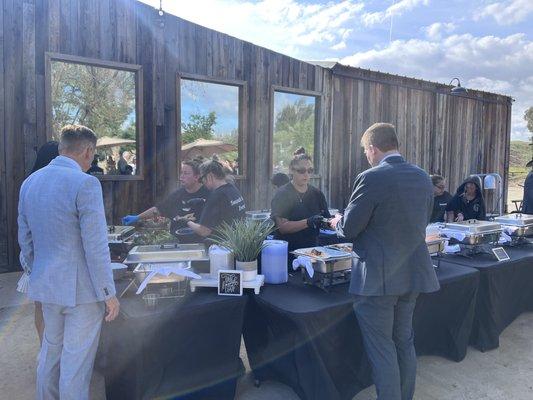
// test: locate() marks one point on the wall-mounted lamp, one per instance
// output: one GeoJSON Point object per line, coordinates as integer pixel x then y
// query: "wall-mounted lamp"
{"type": "Point", "coordinates": [161, 14]}
{"type": "Point", "coordinates": [458, 89]}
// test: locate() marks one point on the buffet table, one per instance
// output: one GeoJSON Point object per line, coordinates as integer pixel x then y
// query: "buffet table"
{"type": "Point", "coordinates": [505, 291]}
{"type": "Point", "coordinates": [310, 340]}
{"type": "Point", "coordinates": [184, 348]}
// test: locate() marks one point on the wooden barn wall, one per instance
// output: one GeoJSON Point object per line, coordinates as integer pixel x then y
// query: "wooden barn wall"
{"type": "Point", "coordinates": [130, 32]}
{"type": "Point", "coordinates": [444, 134]}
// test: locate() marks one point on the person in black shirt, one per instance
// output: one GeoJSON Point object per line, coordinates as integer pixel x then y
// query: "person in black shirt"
{"type": "Point", "coordinates": [95, 169]}
{"type": "Point", "coordinates": [180, 206]}
{"type": "Point", "coordinates": [440, 199]}
{"type": "Point", "coordinates": [299, 208]}
{"type": "Point", "coordinates": [467, 203]}
{"type": "Point", "coordinates": [225, 203]}
{"type": "Point", "coordinates": [279, 179]}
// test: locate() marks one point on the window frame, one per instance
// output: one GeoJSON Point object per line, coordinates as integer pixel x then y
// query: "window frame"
{"type": "Point", "coordinates": [242, 129]}
{"type": "Point", "coordinates": [139, 104]}
{"type": "Point", "coordinates": [318, 134]}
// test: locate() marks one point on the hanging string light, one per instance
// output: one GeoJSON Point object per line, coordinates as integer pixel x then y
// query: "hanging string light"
{"type": "Point", "coordinates": [161, 14]}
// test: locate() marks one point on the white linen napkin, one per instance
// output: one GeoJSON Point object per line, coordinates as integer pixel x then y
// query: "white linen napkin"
{"type": "Point", "coordinates": [304, 262]}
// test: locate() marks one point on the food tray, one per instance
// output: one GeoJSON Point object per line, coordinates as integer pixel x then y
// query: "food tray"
{"type": "Point", "coordinates": [117, 233]}
{"type": "Point", "coordinates": [515, 219]}
{"type": "Point", "coordinates": [346, 247]}
{"type": "Point", "coordinates": [167, 253]}
{"type": "Point", "coordinates": [473, 226]}
{"type": "Point", "coordinates": [328, 253]}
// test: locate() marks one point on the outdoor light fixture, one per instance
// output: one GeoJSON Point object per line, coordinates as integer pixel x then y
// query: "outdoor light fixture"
{"type": "Point", "coordinates": [161, 12]}
{"type": "Point", "coordinates": [457, 89]}
{"type": "Point", "coordinates": [492, 181]}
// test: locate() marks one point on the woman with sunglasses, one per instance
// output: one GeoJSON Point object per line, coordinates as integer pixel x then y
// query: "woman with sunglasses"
{"type": "Point", "coordinates": [224, 204]}
{"type": "Point", "coordinates": [440, 200]}
{"type": "Point", "coordinates": [299, 208]}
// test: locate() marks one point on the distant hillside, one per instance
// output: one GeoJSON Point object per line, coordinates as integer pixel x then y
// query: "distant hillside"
{"type": "Point", "coordinates": [521, 153]}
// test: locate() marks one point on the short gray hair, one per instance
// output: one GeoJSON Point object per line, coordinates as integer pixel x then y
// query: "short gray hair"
{"type": "Point", "coordinates": [74, 138]}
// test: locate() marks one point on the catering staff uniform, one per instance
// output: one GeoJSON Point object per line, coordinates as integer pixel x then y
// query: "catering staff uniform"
{"type": "Point", "coordinates": [224, 204]}
{"type": "Point", "coordinates": [439, 207]}
{"type": "Point", "coordinates": [177, 204]}
{"type": "Point", "coordinates": [387, 226]}
{"type": "Point", "coordinates": [292, 205]}
{"type": "Point", "coordinates": [471, 209]}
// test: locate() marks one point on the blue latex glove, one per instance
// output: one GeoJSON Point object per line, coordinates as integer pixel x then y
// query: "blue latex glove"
{"type": "Point", "coordinates": [130, 219]}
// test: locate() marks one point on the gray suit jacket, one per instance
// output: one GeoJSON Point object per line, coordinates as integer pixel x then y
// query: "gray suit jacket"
{"type": "Point", "coordinates": [386, 219]}
{"type": "Point", "coordinates": [63, 235]}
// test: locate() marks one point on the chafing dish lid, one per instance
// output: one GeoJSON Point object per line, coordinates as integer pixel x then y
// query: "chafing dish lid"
{"type": "Point", "coordinates": [473, 226]}
{"type": "Point", "coordinates": [515, 219]}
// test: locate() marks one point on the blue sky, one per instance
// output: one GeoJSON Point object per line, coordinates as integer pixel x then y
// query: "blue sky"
{"type": "Point", "coordinates": [488, 44]}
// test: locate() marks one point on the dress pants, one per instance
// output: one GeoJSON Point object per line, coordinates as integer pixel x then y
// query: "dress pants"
{"type": "Point", "coordinates": [68, 350]}
{"type": "Point", "coordinates": [386, 324]}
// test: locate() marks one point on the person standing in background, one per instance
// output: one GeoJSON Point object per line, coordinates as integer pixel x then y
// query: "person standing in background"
{"type": "Point", "coordinates": [63, 238]}
{"type": "Point", "coordinates": [45, 155]}
{"type": "Point", "coordinates": [441, 199]}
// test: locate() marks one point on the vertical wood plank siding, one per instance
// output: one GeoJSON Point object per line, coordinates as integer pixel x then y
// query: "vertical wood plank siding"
{"type": "Point", "coordinates": [447, 135]}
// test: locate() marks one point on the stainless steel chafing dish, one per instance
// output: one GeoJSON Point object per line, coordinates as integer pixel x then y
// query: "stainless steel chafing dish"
{"type": "Point", "coordinates": [435, 246]}
{"type": "Point", "coordinates": [142, 270]}
{"type": "Point", "coordinates": [518, 225]}
{"type": "Point", "coordinates": [333, 258]}
{"type": "Point", "coordinates": [167, 253]}
{"type": "Point", "coordinates": [119, 233]}
{"type": "Point", "coordinates": [475, 232]}
{"type": "Point", "coordinates": [261, 215]}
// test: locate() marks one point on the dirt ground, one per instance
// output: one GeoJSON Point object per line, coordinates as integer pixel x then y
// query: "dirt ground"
{"type": "Point", "coordinates": [501, 374]}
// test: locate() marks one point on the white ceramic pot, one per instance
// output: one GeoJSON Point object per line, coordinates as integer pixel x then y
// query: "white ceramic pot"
{"type": "Point", "coordinates": [249, 269]}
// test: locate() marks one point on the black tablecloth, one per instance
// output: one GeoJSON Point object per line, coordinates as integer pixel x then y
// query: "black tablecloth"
{"type": "Point", "coordinates": [186, 348]}
{"type": "Point", "coordinates": [505, 291]}
{"type": "Point", "coordinates": [310, 339]}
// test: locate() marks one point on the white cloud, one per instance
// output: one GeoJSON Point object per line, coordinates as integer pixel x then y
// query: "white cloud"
{"type": "Point", "coordinates": [506, 12]}
{"type": "Point", "coordinates": [287, 26]}
{"type": "Point", "coordinates": [396, 9]}
{"type": "Point", "coordinates": [436, 30]}
{"type": "Point", "coordinates": [490, 63]}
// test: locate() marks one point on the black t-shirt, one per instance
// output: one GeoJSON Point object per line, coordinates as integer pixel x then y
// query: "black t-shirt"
{"type": "Point", "coordinates": [439, 207]}
{"type": "Point", "coordinates": [471, 209]}
{"type": "Point", "coordinates": [225, 204]}
{"type": "Point", "coordinates": [175, 204]}
{"type": "Point", "coordinates": [288, 203]}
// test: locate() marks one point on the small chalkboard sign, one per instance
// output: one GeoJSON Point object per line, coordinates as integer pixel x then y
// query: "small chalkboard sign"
{"type": "Point", "coordinates": [229, 282]}
{"type": "Point", "coordinates": [500, 254]}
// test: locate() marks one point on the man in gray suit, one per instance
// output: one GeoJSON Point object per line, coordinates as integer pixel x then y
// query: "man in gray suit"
{"type": "Point", "coordinates": [63, 238]}
{"type": "Point", "coordinates": [389, 209]}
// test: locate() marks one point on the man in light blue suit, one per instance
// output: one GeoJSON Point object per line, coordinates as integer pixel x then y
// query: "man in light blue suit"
{"type": "Point", "coordinates": [386, 219]}
{"type": "Point", "coordinates": [63, 238]}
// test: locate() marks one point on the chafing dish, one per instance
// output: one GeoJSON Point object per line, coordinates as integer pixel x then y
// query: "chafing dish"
{"type": "Point", "coordinates": [119, 270]}
{"type": "Point", "coordinates": [473, 232]}
{"type": "Point", "coordinates": [435, 246]}
{"type": "Point", "coordinates": [142, 270]}
{"type": "Point", "coordinates": [517, 225]}
{"type": "Point", "coordinates": [330, 259]}
{"type": "Point", "coordinates": [261, 215]}
{"type": "Point", "coordinates": [118, 233]}
{"type": "Point", "coordinates": [167, 253]}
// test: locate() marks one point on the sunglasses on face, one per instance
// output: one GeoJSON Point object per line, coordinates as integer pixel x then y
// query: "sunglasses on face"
{"type": "Point", "coordinates": [302, 171]}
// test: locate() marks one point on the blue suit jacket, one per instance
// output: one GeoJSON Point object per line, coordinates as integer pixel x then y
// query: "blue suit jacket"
{"type": "Point", "coordinates": [386, 219]}
{"type": "Point", "coordinates": [63, 235]}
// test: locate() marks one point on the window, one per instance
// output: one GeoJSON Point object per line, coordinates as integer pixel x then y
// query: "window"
{"type": "Point", "coordinates": [294, 126]}
{"type": "Point", "coordinates": [211, 121]}
{"type": "Point", "coordinates": [105, 97]}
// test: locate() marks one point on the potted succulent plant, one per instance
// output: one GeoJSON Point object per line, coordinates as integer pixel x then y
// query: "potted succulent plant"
{"type": "Point", "coordinates": [245, 238]}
